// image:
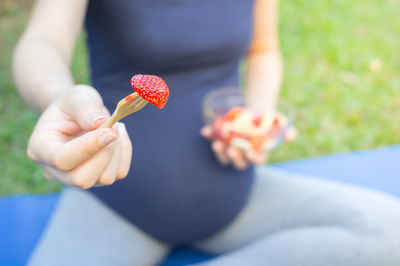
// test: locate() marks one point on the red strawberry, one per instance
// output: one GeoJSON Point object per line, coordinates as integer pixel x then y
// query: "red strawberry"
{"type": "Point", "coordinates": [233, 112]}
{"type": "Point", "coordinates": [152, 88]}
{"type": "Point", "coordinates": [257, 142]}
{"type": "Point", "coordinates": [218, 123]}
{"type": "Point", "coordinates": [274, 131]}
{"type": "Point", "coordinates": [257, 120]}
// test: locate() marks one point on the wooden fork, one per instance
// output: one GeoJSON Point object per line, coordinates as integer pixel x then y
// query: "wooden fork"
{"type": "Point", "coordinates": [128, 105]}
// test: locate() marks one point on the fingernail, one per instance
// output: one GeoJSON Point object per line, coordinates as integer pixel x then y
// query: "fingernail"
{"type": "Point", "coordinates": [92, 119]}
{"type": "Point", "coordinates": [107, 138]}
{"type": "Point", "coordinates": [122, 128]}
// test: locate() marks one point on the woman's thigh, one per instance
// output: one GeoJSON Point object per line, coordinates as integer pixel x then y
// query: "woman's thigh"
{"type": "Point", "coordinates": [83, 231]}
{"type": "Point", "coordinates": [281, 202]}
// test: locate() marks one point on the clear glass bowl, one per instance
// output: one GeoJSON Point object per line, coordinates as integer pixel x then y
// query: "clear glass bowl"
{"type": "Point", "coordinates": [218, 102]}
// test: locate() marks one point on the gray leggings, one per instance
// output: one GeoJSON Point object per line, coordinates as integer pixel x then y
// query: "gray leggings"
{"type": "Point", "coordinates": [290, 220]}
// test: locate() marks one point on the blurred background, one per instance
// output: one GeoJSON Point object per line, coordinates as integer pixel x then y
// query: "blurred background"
{"type": "Point", "coordinates": [342, 66]}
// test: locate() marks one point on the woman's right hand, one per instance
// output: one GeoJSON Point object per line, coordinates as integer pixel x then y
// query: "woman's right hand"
{"type": "Point", "coordinates": [68, 145]}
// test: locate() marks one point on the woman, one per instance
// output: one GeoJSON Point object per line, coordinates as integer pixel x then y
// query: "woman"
{"type": "Point", "coordinates": [176, 192]}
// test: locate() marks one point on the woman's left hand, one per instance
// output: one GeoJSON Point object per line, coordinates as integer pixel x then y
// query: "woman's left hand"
{"type": "Point", "coordinates": [227, 154]}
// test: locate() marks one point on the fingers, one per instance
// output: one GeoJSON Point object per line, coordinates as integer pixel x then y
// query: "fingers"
{"type": "Point", "coordinates": [256, 157]}
{"type": "Point", "coordinates": [88, 173]}
{"type": "Point", "coordinates": [291, 134]}
{"type": "Point", "coordinates": [85, 106]}
{"type": "Point", "coordinates": [104, 167]}
{"type": "Point", "coordinates": [119, 165]}
{"type": "Point", "coordinates": [226, 154]}
{"type": "Point", "coordinates": [54, 174]}
{"type": "Point", "coordinates": [207, 132]}
{"type": "Point", "coordinates": [101, 169]}
{"type": "Point", "coordinates": [237, 158]}
{"type": "Point", "coordinates": [126, 151]}
{"type": "Point", "coordinates": [74, 152]}
{"type": "Point", "coordinates": [110, 173]}
{"type": "Point", "coordinates": [46, 174]}
{"type": "Point", "coordinates": [242, 159]}
{"type": "Point", "coordinates": [65, 143]}
{"type": "Point", "coordinates": [219, 149]}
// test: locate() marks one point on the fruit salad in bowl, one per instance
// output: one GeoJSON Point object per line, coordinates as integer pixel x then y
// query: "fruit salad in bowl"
{"type": "Point", "coordinates": [224, 110]}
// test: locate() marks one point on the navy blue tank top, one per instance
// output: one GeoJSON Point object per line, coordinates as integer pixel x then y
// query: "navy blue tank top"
{"type": "Point", "coordinates": [176, 191]}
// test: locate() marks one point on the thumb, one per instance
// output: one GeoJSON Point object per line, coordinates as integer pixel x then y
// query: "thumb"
{"type": "Point", "coordinates": [291, 134]}
{"type": "Point", "coordinates": [207, 132]}
{"type": "Point", "coordinates": [85, 106]}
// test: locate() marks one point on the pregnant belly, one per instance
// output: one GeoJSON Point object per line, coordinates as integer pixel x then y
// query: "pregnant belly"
{"type": "Point", "coordinates": [176, 191]}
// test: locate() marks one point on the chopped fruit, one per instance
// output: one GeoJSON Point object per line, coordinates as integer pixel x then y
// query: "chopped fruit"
{"type": "Point", "coordinates": [257, 120]}
{"type": "Point", "coordinates": [274, 131]}
{"type": "Point", "coordinates": [232, 113]}
{"type": "Point", "coordinates": [257, 142]}
{"type": "Point", "coordinates": [280, 119]}
{"type": "Point", "coordinates": [243, 129]}
{"type": "Point", "coordinates": [269, 144]}
{"type": "Point", "coordinates": [240, 143]}
{"type": "Point", "coordinates": [151, 88]}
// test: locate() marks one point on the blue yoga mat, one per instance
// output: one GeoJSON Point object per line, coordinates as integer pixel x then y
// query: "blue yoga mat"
{"type": "Point", "coordinates": [24, 217]}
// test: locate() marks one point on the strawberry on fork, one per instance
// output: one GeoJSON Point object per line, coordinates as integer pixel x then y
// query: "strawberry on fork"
{"type": "Point", "coordinates": [149, 89]}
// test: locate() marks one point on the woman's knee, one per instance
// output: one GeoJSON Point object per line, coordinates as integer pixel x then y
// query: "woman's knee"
{"type": "Point", "coordinates": [382, 233]}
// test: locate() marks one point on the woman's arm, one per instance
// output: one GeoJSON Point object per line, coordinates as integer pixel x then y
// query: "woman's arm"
{"type": "Point", "coordinates": [264, 64]}
{"type": "Point", "coordinates": [43, 54]}
{"type": "Point", "coordinates": [263, 81]}
{"type": "Point", "coordinates": [65, 141]}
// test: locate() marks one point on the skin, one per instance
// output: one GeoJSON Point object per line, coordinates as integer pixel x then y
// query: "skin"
{"type": "Point", "coordinates": [263, 83]}
{"type": "Point", "coordinates": [66, 141]}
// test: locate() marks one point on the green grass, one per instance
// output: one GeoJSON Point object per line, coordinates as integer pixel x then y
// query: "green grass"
{"type": "Point", "coordinates": [341, 78]}
{"type": "Point", "coordinates": [341, 75]}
